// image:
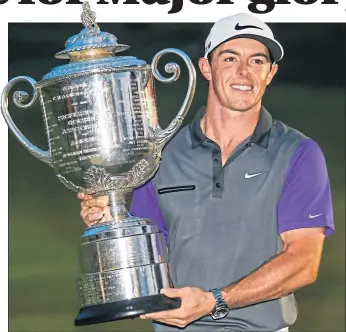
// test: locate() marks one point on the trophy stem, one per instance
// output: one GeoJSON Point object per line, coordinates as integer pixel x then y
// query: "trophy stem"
{"type": "Point", "coordinates": [117, 205]}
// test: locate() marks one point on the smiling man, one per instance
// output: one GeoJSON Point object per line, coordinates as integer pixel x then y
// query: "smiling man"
{"type": "Point", "coordinates": [243, 199]}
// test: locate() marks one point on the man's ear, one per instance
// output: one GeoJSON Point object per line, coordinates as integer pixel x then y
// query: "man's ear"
{"type": "Point", "coordinates": [273, 71]}
{"type": "Point", "coordinates": [205, 68]}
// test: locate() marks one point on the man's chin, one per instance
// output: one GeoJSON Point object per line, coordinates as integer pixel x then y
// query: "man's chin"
{"type": "Point", "coordinates": [241, 108]}
{"type": "Point", "coordinates": [242, 105]}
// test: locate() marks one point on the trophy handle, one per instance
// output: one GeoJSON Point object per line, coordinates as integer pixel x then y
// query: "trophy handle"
{"type": "Point", "coordinates": [161, 136]}
{"type": "Point", "coordinates": [19, 97]}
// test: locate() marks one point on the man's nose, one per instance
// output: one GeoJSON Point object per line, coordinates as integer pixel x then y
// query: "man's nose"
{"type": "Point", "coordinates": [243, 69]}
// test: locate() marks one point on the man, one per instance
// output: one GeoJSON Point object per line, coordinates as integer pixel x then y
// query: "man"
{"type": "Point", "coordinates": [244, 200]}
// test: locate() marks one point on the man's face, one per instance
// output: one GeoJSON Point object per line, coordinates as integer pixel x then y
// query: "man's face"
{"type": "Point", "coordinates": [239, 72]}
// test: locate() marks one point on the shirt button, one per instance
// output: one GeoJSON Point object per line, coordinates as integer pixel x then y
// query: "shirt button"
{"type": "Point", "coordinates": [218, 185]}
{"type": "Point", "coordinates": [216, 161]}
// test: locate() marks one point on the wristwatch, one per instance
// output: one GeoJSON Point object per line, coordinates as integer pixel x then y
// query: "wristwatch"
{"type": "Point", "coordinates": [221, 309]}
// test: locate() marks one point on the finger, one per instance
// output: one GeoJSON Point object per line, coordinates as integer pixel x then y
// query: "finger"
{"type": "Point", "coordinates": [95, 222]}
{"type": "Point", "coordinates": [107, 214]}
{"type": "Point", "coordinates": [87, 221]}
{"type": "Point", "coordinates": [171, 292]}
{"type": "Point", "coordinates": [102, 198]}
{"type": "Point", "coordinates": [86, 211]}
{"type": "Point", "coordinates": [93, 217]}
{"type": "Point", "coordinates": [94, 203]}
{"type": "Point", "coordinates": [173, 322]}
{"type": "Point", "coordinates": [84, 197]}
{"type": "Point", "coordinates": [103, 219]}
{"type": "Point", "coordinates": [86, 207]}
{"type": "Point", "coordinates": [167, 314]}
{"type": "Point", "coordinates": [83, 206]}
{"type": "Point", "coordinates": [80, 195]}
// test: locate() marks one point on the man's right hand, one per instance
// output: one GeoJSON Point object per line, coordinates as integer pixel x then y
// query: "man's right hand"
{"type": "Point", "coordinates": [94, 210]}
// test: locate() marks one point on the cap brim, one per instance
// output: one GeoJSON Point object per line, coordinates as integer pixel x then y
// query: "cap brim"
{"type": "Point", "coordinates": [274, 47]}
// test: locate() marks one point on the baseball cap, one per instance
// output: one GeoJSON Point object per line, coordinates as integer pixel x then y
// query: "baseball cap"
{"type": "Point", "coordinates": [243, 26]}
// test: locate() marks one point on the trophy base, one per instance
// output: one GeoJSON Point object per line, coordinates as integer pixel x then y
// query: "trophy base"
{"type": "Point", "coordinates": [125, 309]}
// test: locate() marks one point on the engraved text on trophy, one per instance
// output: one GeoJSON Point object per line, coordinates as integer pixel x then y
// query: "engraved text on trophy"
{"type": "Point", "coordinates": [100, 120]}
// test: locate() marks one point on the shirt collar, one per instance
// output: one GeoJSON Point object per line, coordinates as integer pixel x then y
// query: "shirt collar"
{"type": "Point", "coordinates": [260, 135]}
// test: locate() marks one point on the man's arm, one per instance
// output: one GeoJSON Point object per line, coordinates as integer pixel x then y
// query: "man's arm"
{"type": "Point", "coordinates": [305, 217]}
{"type": "Point", "coordinates": [297, 266]}
{"type": "Point", "coordinates": [294, 268]}
{"type": "Point", "coordinates": [144, 204]}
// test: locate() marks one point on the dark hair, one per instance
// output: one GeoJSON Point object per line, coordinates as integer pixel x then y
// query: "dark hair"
{"type": "Point", "coordinates": [209, 56]}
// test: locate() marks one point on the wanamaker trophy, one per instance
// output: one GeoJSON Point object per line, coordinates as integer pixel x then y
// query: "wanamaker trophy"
{"type": "Point", "coordinates": [101, 123]}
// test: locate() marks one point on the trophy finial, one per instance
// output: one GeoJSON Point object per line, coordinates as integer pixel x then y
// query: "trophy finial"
{"type": "Point", "coordinates": [91, 43]}
{"type": "Point", "coordinates": [88, 17]}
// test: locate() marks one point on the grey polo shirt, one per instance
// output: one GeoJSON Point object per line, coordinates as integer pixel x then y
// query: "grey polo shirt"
{"type": "Point", "coordinates": [223, 222]}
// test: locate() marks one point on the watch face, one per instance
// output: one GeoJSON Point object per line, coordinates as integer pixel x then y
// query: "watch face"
{"type": "Point", "coordinates": [220, 313]}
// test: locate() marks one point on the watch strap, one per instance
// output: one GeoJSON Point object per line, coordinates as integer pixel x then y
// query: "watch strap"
{"type": "Point", "coordinates": [220, 303]}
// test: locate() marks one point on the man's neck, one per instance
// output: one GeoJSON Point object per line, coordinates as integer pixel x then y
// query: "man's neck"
{"type": "Point", "coordinates": [229, 128]}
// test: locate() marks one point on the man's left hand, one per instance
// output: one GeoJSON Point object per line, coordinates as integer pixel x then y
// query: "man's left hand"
{"type": "Point", "coordinates": [195, 303]}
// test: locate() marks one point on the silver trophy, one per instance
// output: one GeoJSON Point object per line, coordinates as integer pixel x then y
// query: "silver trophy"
{"type": "Point", "coordinates": [104, 138]}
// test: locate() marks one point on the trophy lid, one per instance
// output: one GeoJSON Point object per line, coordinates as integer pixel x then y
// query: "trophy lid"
{"type": "Point", "coordinates": [90, 37]}
{"type": "Point", "coordinates": [91, 49]}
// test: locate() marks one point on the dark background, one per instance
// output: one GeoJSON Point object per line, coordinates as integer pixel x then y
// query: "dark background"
{"type": "Point", "coordinates": [308, 93]}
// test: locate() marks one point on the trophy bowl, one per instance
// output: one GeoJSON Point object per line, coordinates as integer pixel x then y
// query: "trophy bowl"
{"type": "Point", "coordinates": [104, 138]}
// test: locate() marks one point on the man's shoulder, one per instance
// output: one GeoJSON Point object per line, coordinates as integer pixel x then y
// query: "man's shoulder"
{"type": "Point", "coordinates": [302, 145]}
{"type": "Point", "coordinates": [180, 140]}
{"type": "Point", "coordinates": [285, 133]}
{"type": "Point", "coordinates": [177, 150]}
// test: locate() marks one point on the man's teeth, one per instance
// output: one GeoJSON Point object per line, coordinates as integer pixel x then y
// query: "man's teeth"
{"type": "Point", "coordinates": [242, 87]}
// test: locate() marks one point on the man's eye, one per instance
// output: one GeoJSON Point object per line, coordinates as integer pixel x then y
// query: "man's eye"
{"type": "Point", "coordinates": [258, 61]}
{"type": "Point", "coordinates": [230, 59]}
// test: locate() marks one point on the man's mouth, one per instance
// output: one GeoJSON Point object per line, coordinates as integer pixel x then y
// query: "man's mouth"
{"type": "Point", "coordinates": [241, 87]}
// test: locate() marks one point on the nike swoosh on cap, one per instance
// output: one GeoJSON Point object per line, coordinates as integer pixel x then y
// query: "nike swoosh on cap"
{"type": "Point", "coordinates": [242, 27]}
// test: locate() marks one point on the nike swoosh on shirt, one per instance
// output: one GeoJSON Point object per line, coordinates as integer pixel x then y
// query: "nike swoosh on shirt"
{"type": "Point", "coordinates": [249, 176]}
{"type": "Point", "coordinates": [312, 216]}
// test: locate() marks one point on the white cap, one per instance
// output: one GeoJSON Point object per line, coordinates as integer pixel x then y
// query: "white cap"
{"type": "Point", "coordinates": [243, 26]}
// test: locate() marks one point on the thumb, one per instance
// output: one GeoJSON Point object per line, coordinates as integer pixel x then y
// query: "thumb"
{"type": "Point", "coordinates": [170, 292]}
{"type": "Point", "coordinates": [81, 195]}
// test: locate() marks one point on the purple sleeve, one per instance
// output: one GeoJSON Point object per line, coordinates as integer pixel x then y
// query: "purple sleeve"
{"type": "Point", "coordinates": [144, 204]}
{"type": "Point", "coordinates": [306, 200]}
